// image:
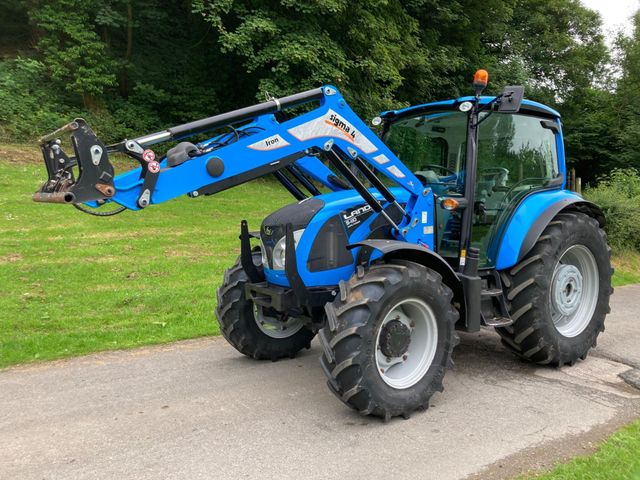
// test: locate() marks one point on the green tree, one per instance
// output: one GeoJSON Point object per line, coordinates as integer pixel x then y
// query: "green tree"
{"type": "Point", "coordinates": [560, 44]}
{"type": "Point", "coordinates": [143, 64]}
{"type": "Point", "coordinates": [457, 37]}
{"type": "Point", "coordinates": [70, 48]}
{"type": "Point", "coordinates": [362, 47]}
{"type": "Point", "coordinates": [626, 104]}
{"type": "Point", "coordinates": [590, 124]}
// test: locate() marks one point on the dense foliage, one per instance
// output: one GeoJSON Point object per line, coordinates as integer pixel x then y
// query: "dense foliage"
{"type": "Point", "coordinates": [132, 66]}
{"type": "Point", "coordinates": [615, 194]}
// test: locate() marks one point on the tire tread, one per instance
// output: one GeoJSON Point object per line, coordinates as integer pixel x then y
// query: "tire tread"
{"type": "Point", "coordinates": [526, 287]}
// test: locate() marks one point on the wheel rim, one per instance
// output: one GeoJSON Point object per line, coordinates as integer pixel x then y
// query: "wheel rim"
{"type": "Point", "coordinates": [410, 366]}
{"type": "Point", "coordinates": [574, 291]}
{"type": "Point", "coordinates": [275, 328]}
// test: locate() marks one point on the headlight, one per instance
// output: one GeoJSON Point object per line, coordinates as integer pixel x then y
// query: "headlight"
{"type": "Point", "coordinates": [280, 250]}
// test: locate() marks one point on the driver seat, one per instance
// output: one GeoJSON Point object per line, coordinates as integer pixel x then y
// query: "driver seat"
{"type": "Point", "coordinates": [427, 176]}
{"type": "Point", "coordinates": [486, 189]}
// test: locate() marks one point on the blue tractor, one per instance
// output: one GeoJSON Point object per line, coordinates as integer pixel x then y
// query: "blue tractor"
{"type": "Point", "coordinates": [454, 217]}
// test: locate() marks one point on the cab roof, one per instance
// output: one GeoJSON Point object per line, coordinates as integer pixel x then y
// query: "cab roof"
{"type": "Point", "coordinates": [527, 106]}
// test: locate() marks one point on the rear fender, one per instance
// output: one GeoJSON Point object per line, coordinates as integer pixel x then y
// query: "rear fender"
{"type": "Point", "coordinates": [530, 219]}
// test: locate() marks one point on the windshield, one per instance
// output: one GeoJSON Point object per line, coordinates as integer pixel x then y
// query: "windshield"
{"type": "Point", "coordinates": [433, 146]}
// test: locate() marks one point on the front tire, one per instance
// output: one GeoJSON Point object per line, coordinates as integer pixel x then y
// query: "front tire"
{"type": "Point", "coordinates": [250, 329]}
{"type": "Point", "coordinates": [388, 339]}
{"type": "Point", "coordinates": [559, 293]}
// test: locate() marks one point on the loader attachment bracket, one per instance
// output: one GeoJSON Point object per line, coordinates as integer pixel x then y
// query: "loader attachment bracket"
{"type": "Point", "coordinates": [85, 176]}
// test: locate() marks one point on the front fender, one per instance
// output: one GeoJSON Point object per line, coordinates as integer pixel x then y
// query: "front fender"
{"type": "Point", "coordinates": [531, 217]}
{"type": "Point", "coordinates": [399, 250]}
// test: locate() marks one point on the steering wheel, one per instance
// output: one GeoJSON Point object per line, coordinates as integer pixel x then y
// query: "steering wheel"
{"type": "Point", "coordinates": [439, 167]}
{"type": "Point", "coordinates": [446, 185]}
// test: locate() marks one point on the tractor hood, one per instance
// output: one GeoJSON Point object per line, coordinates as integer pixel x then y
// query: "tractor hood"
{"type": "Point", "coordinates": [323, 227]}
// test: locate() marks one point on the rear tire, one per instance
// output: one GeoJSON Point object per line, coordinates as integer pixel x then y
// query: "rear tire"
{"type": "Point", "coordinates": [239, 321]}
{"type": "Point", "coordinates": [367, 359]}
{"type": "Point", "coordinates": [559, 293]}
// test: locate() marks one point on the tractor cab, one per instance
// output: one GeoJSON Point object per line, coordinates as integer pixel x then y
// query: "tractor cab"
{"type": "Point", "coordinates": [517, 153]}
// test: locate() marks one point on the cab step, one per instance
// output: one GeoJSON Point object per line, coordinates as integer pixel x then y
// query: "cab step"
{"type": "Point", "coordinates": [498, 322]}
{"type": "Point", "coordinates": [492, 292]}
{"type": "Point", "coordinates": [495, 312]}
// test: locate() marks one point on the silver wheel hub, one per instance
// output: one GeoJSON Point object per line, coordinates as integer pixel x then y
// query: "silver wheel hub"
{"type": "Point", "coordinates": [574, 291]}
{"type": "Point", "coordinates": [274, 327]}
{"type": "Point", "coordinates": [567, 289]}
{"type": "Point", "coordinates": [406, 343]}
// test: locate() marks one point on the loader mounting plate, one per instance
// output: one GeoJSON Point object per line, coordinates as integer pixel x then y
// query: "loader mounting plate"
{"type": "Point", "coordinates": [86, 176]}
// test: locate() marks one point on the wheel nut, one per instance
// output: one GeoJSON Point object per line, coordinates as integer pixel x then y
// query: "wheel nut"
{"type": "Point", "coordinates": [382, 370]}
{"type": "Point", "coordinates": [404, 357]}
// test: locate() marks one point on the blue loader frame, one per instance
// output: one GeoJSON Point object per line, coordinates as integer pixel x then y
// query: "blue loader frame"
{"type": "Point", "coordinates": [262, 144]}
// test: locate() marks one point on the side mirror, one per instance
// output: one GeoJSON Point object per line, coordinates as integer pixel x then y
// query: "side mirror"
{"type": "Point", "coordinates": [510, 99]}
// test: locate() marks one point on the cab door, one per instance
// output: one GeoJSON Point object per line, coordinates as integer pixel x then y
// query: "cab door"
{"type": "Point", "coordinates": [517, 155]}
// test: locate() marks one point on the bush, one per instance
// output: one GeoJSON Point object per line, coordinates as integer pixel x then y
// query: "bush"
{"type": "Point", "coordinates": [25, 100]}
{"type": "Point", "coordinates": [618, 194]}
{"type": "Point", "coordinates": [32, 106]}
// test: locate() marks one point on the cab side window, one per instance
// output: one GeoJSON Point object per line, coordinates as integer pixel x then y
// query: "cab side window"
{"type": "Point", "coordinates": [516, 155]}
{"type": "Point", "coordinates": [517, 150]}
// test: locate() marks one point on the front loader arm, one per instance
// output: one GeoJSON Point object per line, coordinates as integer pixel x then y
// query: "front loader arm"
{"type": "Point", "coordinates": [261, 146]}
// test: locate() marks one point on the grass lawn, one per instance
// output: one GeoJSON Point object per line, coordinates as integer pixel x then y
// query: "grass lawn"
{"type": "Point", "coordinates": [627, 266]}
{"type": "Point", "coordinates": [73, 284]}
{"type": "Point", "coordinates": [616, 459]}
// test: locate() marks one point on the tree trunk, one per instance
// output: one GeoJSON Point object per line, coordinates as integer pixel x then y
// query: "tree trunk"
{"type": "Point", "coordinates": [106, 37]}
{"type": "Point", "coordinates": [90, 102]}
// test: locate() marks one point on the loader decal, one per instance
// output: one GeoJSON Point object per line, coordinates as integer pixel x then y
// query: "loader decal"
{"type": "Point", "coordinates": [396, 171]}
{"type": "Point", "coordinates": [344, 127]}
{"type": "Point", "coordinates": [381, 159]}
{"type": "Point", "coordinates": [270, 143]}
{"type": "Point", "coordinates": [353, 218]}
{"type": "Point", "coordinates": [332, 125]}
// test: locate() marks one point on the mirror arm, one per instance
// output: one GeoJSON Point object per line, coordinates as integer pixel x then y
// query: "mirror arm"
{"type": "Point", "coordinates": [490, 103]}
